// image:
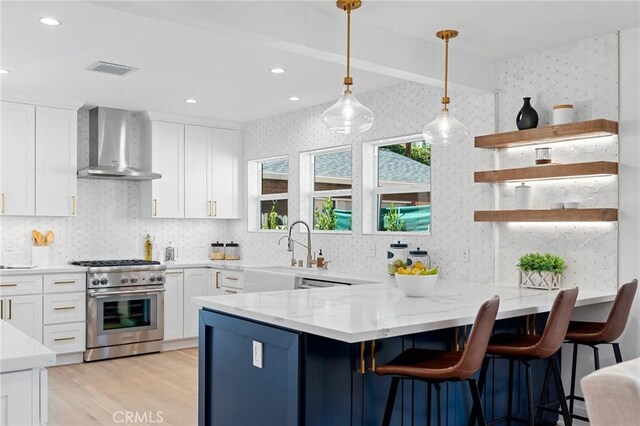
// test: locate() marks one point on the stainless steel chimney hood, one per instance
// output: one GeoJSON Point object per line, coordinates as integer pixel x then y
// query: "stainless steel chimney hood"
{"type": "Point", "coordinates": [110, 133]}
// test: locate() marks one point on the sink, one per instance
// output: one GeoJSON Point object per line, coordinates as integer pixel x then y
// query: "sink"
{"type": "Point", "coordinates": [318, 274]}
{"type": "Point", "coordinates": [259, 280]}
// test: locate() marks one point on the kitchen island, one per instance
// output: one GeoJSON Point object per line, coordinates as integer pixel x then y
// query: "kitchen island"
{"type": "Point", "coordinates": [308, 356]}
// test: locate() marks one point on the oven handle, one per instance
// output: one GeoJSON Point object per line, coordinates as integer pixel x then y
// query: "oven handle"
{"type": "Point", "coordinates": [98, 295]}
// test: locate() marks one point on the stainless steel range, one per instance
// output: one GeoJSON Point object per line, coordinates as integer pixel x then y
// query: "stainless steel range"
{"type": "Point", "coordinates": [125, 308]}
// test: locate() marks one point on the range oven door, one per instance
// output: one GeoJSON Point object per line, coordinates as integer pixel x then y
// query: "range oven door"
{"type": "Point", "coordinates": [125, 315]}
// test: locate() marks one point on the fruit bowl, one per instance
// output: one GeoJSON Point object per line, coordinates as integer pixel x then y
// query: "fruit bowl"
{"type": "Point", "coordinates": [416, 285]}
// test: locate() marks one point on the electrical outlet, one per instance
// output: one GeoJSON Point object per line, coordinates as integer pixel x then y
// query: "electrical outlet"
{"type": "Point", "coordinates": [9, 244]}
{"type": "Point", "coordinates": [257, 354]}
{"type": "Point", "coordinates": [464, 255]}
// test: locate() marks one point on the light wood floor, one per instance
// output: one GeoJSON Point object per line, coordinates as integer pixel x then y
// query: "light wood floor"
{"type": "Point", "coordinates": [95, 393]}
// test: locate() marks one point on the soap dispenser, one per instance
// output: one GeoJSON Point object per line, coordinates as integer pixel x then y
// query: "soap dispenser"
{"type": "Point", "coordinates": [320, 260]}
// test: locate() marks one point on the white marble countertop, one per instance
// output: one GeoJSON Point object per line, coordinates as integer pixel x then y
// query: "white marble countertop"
{"type": "Point", "coordinates": [21, 352]}
{"type": "Point", "coordinates": [373, 311]}
{"type": "Point", "coordinates": [49, 269]}
{"type": "Point", "coordinates": [222, 264]}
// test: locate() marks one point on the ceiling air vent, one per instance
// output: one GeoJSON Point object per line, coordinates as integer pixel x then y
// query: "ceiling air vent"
{"type": "Point", "coordinates": [113, 69]}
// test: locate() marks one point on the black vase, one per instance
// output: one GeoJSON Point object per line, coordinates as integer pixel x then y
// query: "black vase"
{"type": "Point", "coordinates": [527, 116]}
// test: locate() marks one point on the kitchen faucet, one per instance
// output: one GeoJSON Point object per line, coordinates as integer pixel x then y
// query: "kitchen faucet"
{"type": "Point", "coordinates": [290, 246]}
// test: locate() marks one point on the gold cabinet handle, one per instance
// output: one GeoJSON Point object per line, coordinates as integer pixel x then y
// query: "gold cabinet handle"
{"type": "Point", "coordinates": [64, 308]}
{"type": "Point", "coordinates": [155, 207]}
{"type": "Point", "coordinates": [61, 339]}
{"type": "Point", "coordinates": [73, 205]}
{"type": "Point", "coordinates": [1, 309]}
{"type": "Point", "coordinates": [231, 278]}
{"type": "Point", "coordinates": [10, 308]}
{"type": "Point", "coordinates": [362, 367]}
{"type": "Point", "coordinates": [9, 285]}
{"type": "Point", "coordinates": [209, 209]}
{"type": "Point", "coordinates": [215, 208]}
{"type": "Point", "coordinates": [3, 201]}
{"type": "Point", "coordinates": [372, 366]}
{"type": "Point", "coordinates": [217, 279]}
{"type": "Point", "coordinates": [174, 273]}
{"type": "Point", "coordinates": [230, 291]}
{"type": "Point", "coordinates": [65, 282]}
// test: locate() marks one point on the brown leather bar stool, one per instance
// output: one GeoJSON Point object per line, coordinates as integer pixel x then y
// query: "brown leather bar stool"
{"type": "Point", "coordinates": [436, 366]}
{"type": "Point", "coordinates": [527, 347]}
{"type": "Point", "coordinates": [593, 334]}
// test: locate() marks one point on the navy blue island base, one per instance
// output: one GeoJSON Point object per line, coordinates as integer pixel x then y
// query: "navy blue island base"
{"type": "Point", "coordinates": [309, 380]}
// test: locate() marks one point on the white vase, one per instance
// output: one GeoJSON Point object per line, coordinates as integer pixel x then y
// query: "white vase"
{"type": "Point", "coordinates": [40, 255]}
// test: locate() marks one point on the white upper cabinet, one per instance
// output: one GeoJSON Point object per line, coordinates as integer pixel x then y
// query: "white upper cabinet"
{"type": "Point", "coordinates": [197, 165]}
{"type": "Point", "coordinates": [211, 172]}
{"type": "Point", "coordinates": [56, 161]}
{"type": "Point", "coordinates": [17, 159]}
{"type": "Point", "coordinates": [225, 173]}
{"type": "Point", "coordinates": [164, 197]}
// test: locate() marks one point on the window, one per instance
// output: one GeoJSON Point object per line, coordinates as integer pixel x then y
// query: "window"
{"type": "Point", "coordinates": [325, 188]}
{"type": "Point", "coordinates": [397, 185]}
{"type": "Point", "coordinates": [268, 186]}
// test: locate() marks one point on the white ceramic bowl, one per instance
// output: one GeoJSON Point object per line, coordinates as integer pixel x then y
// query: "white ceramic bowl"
{"type": "Point", "coordinates": [416, 285]}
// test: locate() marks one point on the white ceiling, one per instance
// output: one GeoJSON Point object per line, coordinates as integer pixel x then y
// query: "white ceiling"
{"type": "Point", "coordinates": [220, 52]}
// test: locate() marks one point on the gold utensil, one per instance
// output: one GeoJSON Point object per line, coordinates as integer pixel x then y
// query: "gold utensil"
{"type": "Point", "coordinates": [37, 237]}
{"type": "Point", "coordinates": [48, 239]}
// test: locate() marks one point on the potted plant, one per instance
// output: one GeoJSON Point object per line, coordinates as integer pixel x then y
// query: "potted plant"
{"type": "Point", "coordinates": [541, 271]}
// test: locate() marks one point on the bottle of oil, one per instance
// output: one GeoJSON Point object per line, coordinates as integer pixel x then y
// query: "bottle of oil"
{"type": "Point", "coordinates": [148, 249]}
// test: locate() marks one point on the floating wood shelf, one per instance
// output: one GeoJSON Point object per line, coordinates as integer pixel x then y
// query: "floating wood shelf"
{"type": "Point", "coordinates": [560, 215]}
{"type": "Point", "coordinates": [545, 135]}
{"type": "Point", "coordinates": [548, 171]}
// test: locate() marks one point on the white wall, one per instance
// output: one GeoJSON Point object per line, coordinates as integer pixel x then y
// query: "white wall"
{"type": "Point", "coordinates": [629, 215]}
{"type": "Point", "coordinates": [584, 74]}
{"type": "Point", "coordinates": [399, 110]}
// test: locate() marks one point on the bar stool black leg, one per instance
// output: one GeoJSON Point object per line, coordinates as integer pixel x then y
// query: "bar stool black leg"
{"type": "Point", "coordinates": [428, 404]}
{"type": "Point", "coordinates": [437, 386]}
{"type": "Point", "coordinates": [572, 395]}
{"type": "Point", "coordinates": [596, 357]}
{"type": "Point", "coordinates": [555, 368]}
{"type": "Point", "coordinates": [510, 403]}
{"type": "Point", "coordinates": [391, 399]}
{"type": "Point", "coordinates": [477, 406]}
{"type": "Point", "coordinates": [529, 394]}
{"type": "Point", "coordinates": [479, 387]}
{"type": "Point", "coordinates": [616, 352]}
{"type": "Point", "coordinates": [544, 396]}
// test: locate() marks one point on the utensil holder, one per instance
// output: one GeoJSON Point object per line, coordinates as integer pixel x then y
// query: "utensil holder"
{"type": "Point", "coordinates": [40, 255]}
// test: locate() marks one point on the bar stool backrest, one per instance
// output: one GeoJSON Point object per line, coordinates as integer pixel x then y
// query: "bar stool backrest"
{"type": "Point", "coordinates": [619, 314]}
{"type": "Point", "coordinates": [557, 324]}
{"type": "Point", "coordinates": [476, 347]}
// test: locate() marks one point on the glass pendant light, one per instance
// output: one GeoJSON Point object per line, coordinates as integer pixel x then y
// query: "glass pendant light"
{"type": "Point", "coordinates": [445, 130]}
{"type": "Point", "coordinates": [348, 115]}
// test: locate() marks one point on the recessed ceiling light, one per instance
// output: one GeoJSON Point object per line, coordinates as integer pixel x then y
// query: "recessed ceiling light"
{"type": "Point", "coordinates": [276, 70]}
{"type": "Point", "coordinates": [294, 98]}
{"type": "Point", "coordinates": [3, 71]}
{"type": "Point", "coordinates": [190, 101]}
{"type": "Point", "coordinates": [49, 21]}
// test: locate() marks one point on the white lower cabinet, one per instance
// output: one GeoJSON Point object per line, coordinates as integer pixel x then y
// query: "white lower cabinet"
{"type": "Point", "coordinates": [65, 338]}
{"type": "Point", "coordinates": [24, 313]}
{"type": "Point", "coordinates": [64, 307]}
{"type": "Point", "coordinates": [181, 316]}
{"type": "Point", "coordinates": [173, 305]}
{"type": "Point", "coordinates": [197, 282]}
{"type": "Point", "coordinates": [23, 397]}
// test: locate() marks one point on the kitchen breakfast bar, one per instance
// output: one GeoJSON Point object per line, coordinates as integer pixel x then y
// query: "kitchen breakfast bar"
{"type": "Point", "coordinates": [307, 357]}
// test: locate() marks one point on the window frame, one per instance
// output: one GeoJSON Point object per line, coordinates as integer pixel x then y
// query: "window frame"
{"type": "Point", "coordinates": [371, 192]}
{"type": "Point", "coordinates": [307, 187]}
{"type": "Point", "coordinates": [256, 197]}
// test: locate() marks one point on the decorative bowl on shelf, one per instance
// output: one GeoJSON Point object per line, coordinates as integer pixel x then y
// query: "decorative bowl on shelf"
{"type": "Point", "coordinates": [416, 285]}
